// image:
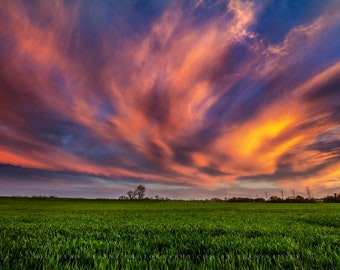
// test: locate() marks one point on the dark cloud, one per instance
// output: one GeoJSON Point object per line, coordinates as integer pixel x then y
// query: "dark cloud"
{"type": "Point", "coordinates": [330, 90]}
{"type": "Point", "coordinates": [285, 171]}
{"type": "Point", "coordinates": [326, 146]}
{"type": "Point", "coordinates": [157, 105]}
{"type": "Point", "coordinates": [183, 158]}
{"type": "Point", "coordinates": [32, 174]}
{"type": "Point", "coordinates": [211, 171]}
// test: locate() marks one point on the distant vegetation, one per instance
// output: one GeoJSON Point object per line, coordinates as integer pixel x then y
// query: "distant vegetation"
{"type": "Point", "coordinates": [139, 193]}
{"type": "Point", "coordinates": [297, 199]}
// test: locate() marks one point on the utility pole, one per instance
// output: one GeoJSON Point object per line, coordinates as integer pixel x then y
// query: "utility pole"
{"type": "Point", "coordinates": [282, 194]}
{"type": "Point", "coordinates": [308, 192]}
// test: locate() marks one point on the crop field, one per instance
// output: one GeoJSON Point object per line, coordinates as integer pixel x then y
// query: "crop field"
{"type": "Point", "coordinates": [104, 234]}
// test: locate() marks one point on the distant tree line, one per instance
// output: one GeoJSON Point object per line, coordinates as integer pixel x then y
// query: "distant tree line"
{"type": "Point", "coordinates": [37, 197]}
{"type": "Point", "coordinates": [332, 199]}
{"type": "Point", "coordinates": [297, 199]}
{"type": "Point", "coordinates": [139, 194]}
{"type": "Point", "coordinates": [275, 199]}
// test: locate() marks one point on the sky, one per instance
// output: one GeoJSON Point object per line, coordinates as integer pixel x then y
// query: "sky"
{"type": "Point", "coordinates": [193, 99]}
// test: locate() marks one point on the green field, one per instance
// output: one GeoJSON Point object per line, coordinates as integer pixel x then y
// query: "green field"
{"type": "Point", "coordinates": [104, 234]}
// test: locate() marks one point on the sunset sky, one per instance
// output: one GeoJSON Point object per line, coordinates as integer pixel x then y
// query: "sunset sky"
{"type": "Point", "coordinates": [193, 99]}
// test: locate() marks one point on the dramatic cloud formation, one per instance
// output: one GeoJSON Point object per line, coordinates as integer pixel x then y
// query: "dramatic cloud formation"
{"type": "Point", "coordinates": [191, 98]}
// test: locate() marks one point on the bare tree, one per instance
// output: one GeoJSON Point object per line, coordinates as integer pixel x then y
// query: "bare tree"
{"type": "Point", "coordinates": [140, 192]}
{"type": "Point", "coordinates": [131, 194]}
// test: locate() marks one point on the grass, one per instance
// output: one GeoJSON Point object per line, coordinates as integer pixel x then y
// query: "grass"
{"type": "Point", "coordinates": [103, 234]}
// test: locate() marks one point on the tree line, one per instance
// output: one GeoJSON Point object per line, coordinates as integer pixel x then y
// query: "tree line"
{"type": "Point", "coordinates": [139, 194]}
{"type": "Point", "coordinates": [275, 199]}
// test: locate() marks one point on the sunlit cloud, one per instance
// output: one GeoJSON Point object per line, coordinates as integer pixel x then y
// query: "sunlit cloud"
{"type": "Point", "coordinates": [199, 94]}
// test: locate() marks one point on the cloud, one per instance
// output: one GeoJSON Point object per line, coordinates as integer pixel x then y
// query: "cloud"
{"type": "Point", "coordinates": [197, 93]}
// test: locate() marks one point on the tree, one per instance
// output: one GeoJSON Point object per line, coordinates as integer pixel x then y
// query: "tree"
{"type": "Point", "coordinates": [275, 199]}
{"type": "Point", "coordinates": [140, 192]}
{"type": "Point", "coordinates": [299, 198]}
{"type": "Point", "coordinates": [131, 194]}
